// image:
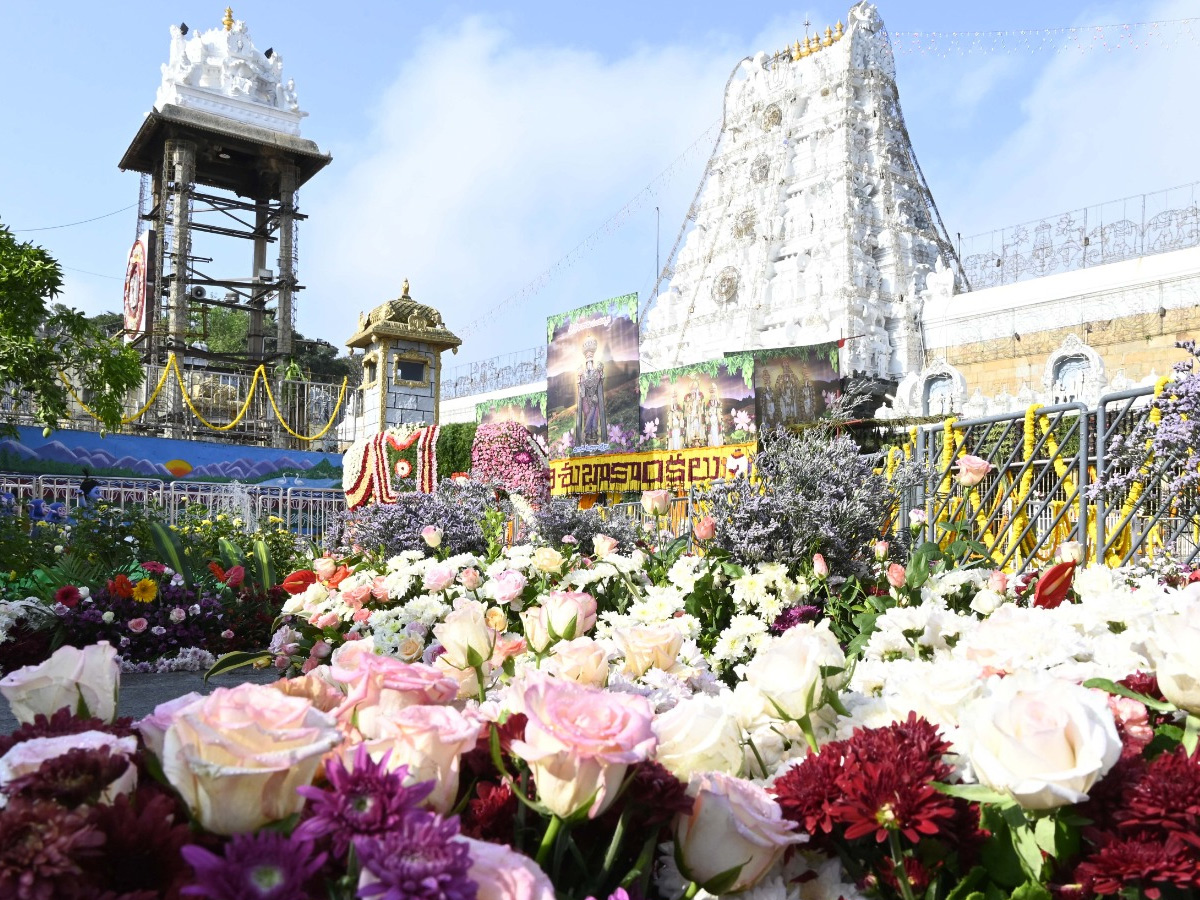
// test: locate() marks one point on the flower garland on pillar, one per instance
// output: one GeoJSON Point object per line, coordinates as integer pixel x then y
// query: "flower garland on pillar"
{"type": "Point", "coordinates": [1139, 483]}
{"type": "Point", "coordinates": [1025, 487]}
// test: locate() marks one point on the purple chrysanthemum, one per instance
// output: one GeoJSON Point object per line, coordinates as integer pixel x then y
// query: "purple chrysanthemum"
{"type": "Point", "coordinates": [363, 801]}
{"type": "Point", "coordinates": [263, 866]}
{"type": "Point", "coordinates": [419, 860]}
{"type": "Point", "coordinates": [793, 616]}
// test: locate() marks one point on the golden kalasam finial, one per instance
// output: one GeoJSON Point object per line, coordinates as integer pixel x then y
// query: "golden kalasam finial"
{"type": "Point", "coordinates": [803, 45]}
{"type": "Point", "coordinates": [828, 41]}
{"type": "Point", "coordinates": [228, 20]}
{"type": "Point", "coordinates": [795, 51]}
{"type": "Point", "coordinates": [839, 31]}
{"type": "Point", "coordinates": [404, 288]}
{"type": "Point", "coordinates": [814, 44]}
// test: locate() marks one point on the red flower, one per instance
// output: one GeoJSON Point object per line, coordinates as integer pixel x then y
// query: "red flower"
{"type": "Point", "coordinates": [67, 595]}
{"type": "Point", "coordinates": [1052, 587]}
{"type": "Point", "coordinates": [1167, 799]}
{"type": "Point", "coordinates": [340, 574]}
{"type": "Point", "coordinates": [153, 568]}
{"type": "Point", "coordinates": [298, 582]}
{"type": "Point", "coordinates": [1144, 683]}
{"type": "Point", "coordinates": [218, 572]}
{"type": "Point", "coordinates": [1148, 865]}
{"type": "Point", "coordinates": [491, 814]}
{"type": "Point", "coordinates": [235, 576]}
{"type": "Point", "coordinates": [121, 586]}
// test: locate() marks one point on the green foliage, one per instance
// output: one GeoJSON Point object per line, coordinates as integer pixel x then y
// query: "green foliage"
{"type": "Point", "coordinates": [267, 553]}
{"type": "Point", "coordinates": [625, 305]}
{"type": "Point", "coordinates": [454, 448]}
{"type": "Point", "coordinates": [735, 364]}
{"type": "Point", "coordinates": [536, 398]}
{"type": "Point", "coordinates": [37, 343]}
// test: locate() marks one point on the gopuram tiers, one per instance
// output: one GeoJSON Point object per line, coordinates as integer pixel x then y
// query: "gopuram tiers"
{"type": "Point", "coordinates": [814, 222]}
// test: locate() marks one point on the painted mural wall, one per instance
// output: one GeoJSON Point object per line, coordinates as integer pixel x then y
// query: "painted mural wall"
{"type": "Point", "coordinates": [132, 456]}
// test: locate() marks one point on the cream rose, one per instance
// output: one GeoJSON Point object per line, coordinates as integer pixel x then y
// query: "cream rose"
{"type": "Point", "coordinates": [1174, 648]}
{"type": "Point", "coordinates": [788, 672]}
{"type": "Point", "coordinates": [1044, 740]}
{"type": "Point", "coordinates": [430, 740]}
{"type": "Point", "coordinates": [603, 545]}
{"type": "Point", "coordinates": [27, 757]}
{"type": "Point", "coordinates": [656, 503]}
{"type": "Point", "coordinates": [579, 742]}
{"type": "Point", "coordinates": [582, 660]}
{"type": "Point", "coordinates": [378, 687]}
{"type": "Point", "coordinates": [562, 615]}
{"type": "Point", "coordinates": [648, 646]}
{"type": "Point", "coordinates": [733, 825]}
{"type": "Point", "coordinates": [85, 680]}
{"type": "Point", "coordinates": [971, 470]}
{"type": "Point", "coordinates": [237, 756]}
{"type": "Point", "coordinates": [465, 634]}
{"type": "Point", "coordinates": [547, 559]}
{"type": "Point", "coordinates": [699, 735]}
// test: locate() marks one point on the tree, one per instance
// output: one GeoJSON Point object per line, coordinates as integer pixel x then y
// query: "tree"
{"type": "Point", "coordinates": [38, 342]}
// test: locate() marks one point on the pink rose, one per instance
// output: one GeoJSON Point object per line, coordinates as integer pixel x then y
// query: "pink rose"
{"type": "Point", "coordinates": [896, 575]}
{"type": "Point", "coordinates": [971, 470]}
{"type": "Point", "coordinates": [227, 634]}
{"type": "Point", "coordinates": [820, 567]}
{"type": "Point", "coordinates": [430, 740]}
{"type": "Point", "coordinates": [579, 742]}
{"type": "Point", "coordinates": [138, 625]}
{"type": "Point", "coordinates": [154, 726]}
{"type": "Point", "coordinates": [998, 581]}
{"type": "Point", "coordinates": [320, 650]}
{"type": "Point", "coordinates": [379, 686]}
{"type": "Point", "coordinates": [563, 615]}
{"type": "Point", "coordinates": [324, 567]}
{"type": "Point", "coordinates": [379, 588]}
{"type": "Point", "coordinates": [656, 503]}
{"type": "Point", "coordinates": [504, 874]}
{"type": "Point", "coordinates": [356, 596]}
{"type": "Point", "coordinates": [237, 756]}
{"type": "Point", "coordinates": [881, 550]}
{"type": "Point", "coordinates": [603, 545]}
{"type": "Point", "coordinates": [470, 579]}
{"type": "Point", "coordinates": [70, 678]}
{"type": "Point", "coordinates": [313, 688]}
{"type": "Point", "coordinates": [705, 529]}
{"type": "Point", "coordinates": [438, 578]}
{"type": "Point", "coordinates": [508, 645]}
{"type": "Point", "coordinates": [917, 518]}
{"type": "Point", "coordinates": [734, 825]}
{"type": "Point", "coordinates": [178, 614]}
{"type": "Point", "coordinates": [508, 586]}
{"type": "Point", "coordinates": [432, 536]}
{"type": "Point", "coordinates": [328, 620]}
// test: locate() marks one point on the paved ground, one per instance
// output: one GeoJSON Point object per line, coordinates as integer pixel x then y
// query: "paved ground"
{"type": "Point", "coordinates": [141, 693]}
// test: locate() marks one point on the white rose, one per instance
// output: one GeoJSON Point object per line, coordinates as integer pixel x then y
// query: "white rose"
{"type": "Point", "coordinates": [581, 660]}
{"type": "Point", "coordinates": [71, 677]}
{"type": "Point", "coordinates": [1174, 647]}
{"type": "Point", "coordinates": [465, 634]}
{"type": "Point", "coordinates": [1043, 740]}
{"type": "Point", "coordinates": [788, 671]}
{"type": "Point", "coordinates": [987, 602]}
{"type": "Point", "coordinates": [699, 735]}
{"type": "Point", "coordinates": [648, 646]}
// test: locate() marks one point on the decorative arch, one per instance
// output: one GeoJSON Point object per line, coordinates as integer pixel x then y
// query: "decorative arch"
{"type": "Point", "coordinates": [1074, 372]}
{"type": "Point", "coordinates": [941, 388]}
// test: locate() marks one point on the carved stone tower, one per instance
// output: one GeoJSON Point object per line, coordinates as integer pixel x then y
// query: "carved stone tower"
{"type": "Point", "coordinates": [402, 342]}
{"type": "Point", "coordinates": [814, 222]}
{"type": "Point", "coordinates": [224, 157]}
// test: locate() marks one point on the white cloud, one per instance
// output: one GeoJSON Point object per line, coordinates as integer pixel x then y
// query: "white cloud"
{"type": "Point", "coordinates": [489, 161]}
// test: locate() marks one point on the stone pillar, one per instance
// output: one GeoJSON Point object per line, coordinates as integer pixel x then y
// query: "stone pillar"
{"type": "Point", "coordinates": [287, 274]}
{"type": "Point", "coordinates": [179, 167]}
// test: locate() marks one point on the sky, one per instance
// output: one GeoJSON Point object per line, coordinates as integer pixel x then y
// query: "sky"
{"type": "Point", "coordinates": [517, 159]}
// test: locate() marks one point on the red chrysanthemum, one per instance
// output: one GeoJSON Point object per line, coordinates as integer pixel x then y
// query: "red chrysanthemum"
{"type": "Point", "coordinates": [1145, 683]}
{"type": "Point", "coordinates": [76, 777]}
{"type": "Point", "coordinates": [42, 850]}
{"type": "Point", "coordinates": [1146, 865]}
{"type": "Point", "coordinates": [1167, 799]}
{"type": "Point", "coordinates": [808, 791]}
{"type": "Point", "coordinates": [491, 814]}
{"type": "Point", "coordinates": [144, 833]}
{"type": "Point", "coordinates": [657, 793]}
{"type": "Point", "coordinates": [68, 595]}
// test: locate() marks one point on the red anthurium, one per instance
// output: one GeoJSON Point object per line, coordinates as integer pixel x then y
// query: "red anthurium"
{"type": "Point", "coordinates": [235, 576]}
{"type": "Point", "coordinates": [1052, 587]}
{"type": "Point", "coordinates": [298, 582]}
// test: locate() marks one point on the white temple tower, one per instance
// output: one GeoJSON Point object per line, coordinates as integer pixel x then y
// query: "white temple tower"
{"type": "Point", "coordinates": [814, 223]}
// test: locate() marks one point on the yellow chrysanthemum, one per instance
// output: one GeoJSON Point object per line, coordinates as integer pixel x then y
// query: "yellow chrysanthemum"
{"type": "Point", "coordinates": [145, 591]}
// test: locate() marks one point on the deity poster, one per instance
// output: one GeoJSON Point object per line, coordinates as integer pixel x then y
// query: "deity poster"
{"type": "Point", "coordinates": [709, 404]}
{"type": "Point", "coordinates": [528, 409]}
{"type": "Point", "coordinates": [795, 384]}
{"type": "Point", "coordinates": [592, 378]}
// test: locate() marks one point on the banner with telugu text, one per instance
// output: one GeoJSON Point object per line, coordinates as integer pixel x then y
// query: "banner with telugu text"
{"type": "Point", "coordinates": [670, 469]}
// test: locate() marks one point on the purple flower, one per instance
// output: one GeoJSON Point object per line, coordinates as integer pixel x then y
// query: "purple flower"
{"type": "Point", "coordinates": [363, 801]}
{"type": "Point", "coordinates": [793, 616]}
{"type": "Point", "coordinates": [419, 860]}
{"type": "Point", "coordinates": [263, 866]}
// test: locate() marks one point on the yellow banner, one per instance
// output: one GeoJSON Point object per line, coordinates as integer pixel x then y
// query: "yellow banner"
{"type": "Point", "coordinates": [672, 469]}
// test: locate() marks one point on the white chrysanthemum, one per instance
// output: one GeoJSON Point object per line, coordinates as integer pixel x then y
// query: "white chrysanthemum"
{"type": "Point", "coordinates": [684, 573]}
{"type": "Point", "coordinates": [750, 590]}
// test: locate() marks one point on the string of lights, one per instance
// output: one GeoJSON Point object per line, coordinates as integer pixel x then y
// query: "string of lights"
{"type": "Point", "coordinates": [80, 222]}
{"type": "Point", "coordinates": [1165, 33]}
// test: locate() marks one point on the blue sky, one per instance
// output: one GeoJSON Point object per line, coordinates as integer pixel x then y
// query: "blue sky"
{"type": "Point", "coordinates": [475, 145]}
